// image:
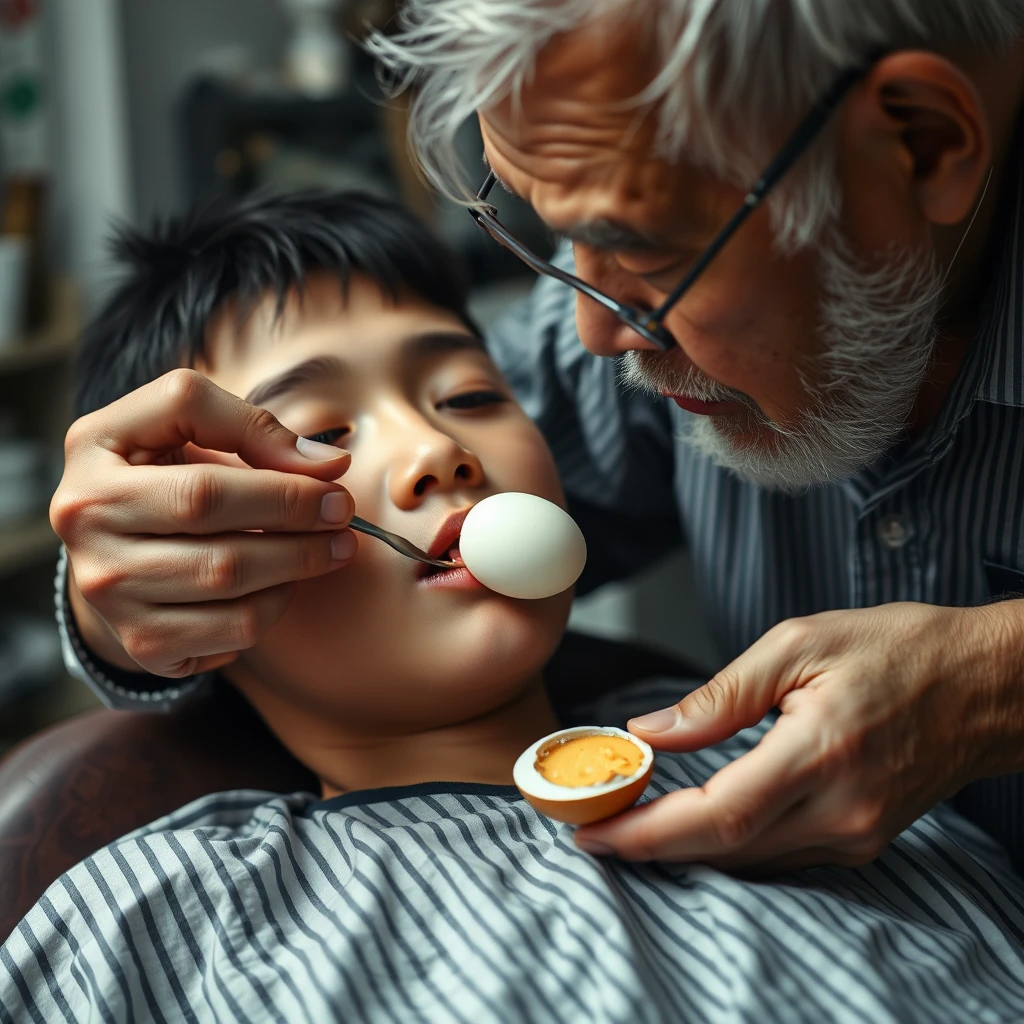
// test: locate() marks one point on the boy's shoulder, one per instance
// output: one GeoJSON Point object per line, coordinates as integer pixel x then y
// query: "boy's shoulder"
{"type": "Point", "coordinates": [174, 853]}
{"type": "Point", "coordinates": [141, 894]}
{"type": "Point", "coordinates": [236, 811]}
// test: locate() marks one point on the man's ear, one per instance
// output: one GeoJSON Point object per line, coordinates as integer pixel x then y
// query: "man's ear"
{"type": "Point", "coordinates": [925, 113]}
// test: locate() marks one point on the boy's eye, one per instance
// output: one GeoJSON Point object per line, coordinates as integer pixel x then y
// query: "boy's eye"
{"type": "Point", "coordinates": [473, 400]}
{"type": "Point", "coordinates": [328, 436]}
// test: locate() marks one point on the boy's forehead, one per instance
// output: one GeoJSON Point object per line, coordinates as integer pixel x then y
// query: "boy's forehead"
{"type": "Point", "coordinates": [357, 322]}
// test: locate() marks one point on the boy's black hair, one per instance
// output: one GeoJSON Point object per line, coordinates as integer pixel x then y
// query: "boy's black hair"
{"type": "Point", "coordinates": [182, 270]}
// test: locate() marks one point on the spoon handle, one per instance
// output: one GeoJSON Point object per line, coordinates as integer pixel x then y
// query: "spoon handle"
{"type": "Point", "coordinates": [400, 544]}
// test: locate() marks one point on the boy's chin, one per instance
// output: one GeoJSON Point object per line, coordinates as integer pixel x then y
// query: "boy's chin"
{"type": "Point", "coordinates": [487, 659]}
{"type": "Point", "coordinates": [517, 634]}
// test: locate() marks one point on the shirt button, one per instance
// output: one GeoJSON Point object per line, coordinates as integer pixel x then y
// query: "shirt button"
{"type": "Point", "coordinates": [893, 532]}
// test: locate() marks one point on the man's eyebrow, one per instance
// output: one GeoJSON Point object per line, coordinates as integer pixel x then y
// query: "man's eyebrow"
{"type": "Point", "coordinates": [307, 372]}
{"type": "Point", "coordinates": [612, 236]}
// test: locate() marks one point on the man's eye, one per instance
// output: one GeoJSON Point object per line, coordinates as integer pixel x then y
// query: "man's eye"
{"type": "Point", "coordinates": [473, 400]}
{"type": "Point", "coordinates": [328, 436]}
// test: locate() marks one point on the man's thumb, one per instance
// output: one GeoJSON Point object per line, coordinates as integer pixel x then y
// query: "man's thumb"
{"type": "Point", "coordinates": [710, 714]}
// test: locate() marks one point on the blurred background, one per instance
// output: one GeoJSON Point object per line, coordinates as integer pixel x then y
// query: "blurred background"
{"type": "Point", "coordinates": [123, 110]}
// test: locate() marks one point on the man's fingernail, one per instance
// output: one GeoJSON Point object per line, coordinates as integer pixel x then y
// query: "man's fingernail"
{"type": "Point", "coordinates": [336, 507]}
{"type": "Point", "coordinates": [657, 721]}
{"type": "Point", "coordinates": [343, 546]}
{"type": "Point", "coordinates": [593, 847]}
{"type": "Point", "coordinates": [316, 451]}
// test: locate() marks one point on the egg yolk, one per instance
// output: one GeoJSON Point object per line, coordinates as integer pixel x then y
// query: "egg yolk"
{"type": "Point", "coordinates": [589, 760]}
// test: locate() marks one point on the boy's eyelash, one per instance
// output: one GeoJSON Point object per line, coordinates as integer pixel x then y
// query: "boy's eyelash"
{"type": "Point", "coordinates": [467, 400]}
{"type": "Point", "coordinates": [328, 436]}
{"type": "Point", "coordinates": [473, 400]}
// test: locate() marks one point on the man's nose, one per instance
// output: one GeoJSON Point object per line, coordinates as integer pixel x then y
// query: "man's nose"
{"type": "Point", "coordinates": [432, 462]}
{"type": "Point", "coordinates": [600, 330]}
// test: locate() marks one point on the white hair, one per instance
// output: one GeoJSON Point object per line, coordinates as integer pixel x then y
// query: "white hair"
{"type": "Point", "coordinates": [731, 74]}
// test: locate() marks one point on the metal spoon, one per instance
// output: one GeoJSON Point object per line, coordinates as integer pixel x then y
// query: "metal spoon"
{"type": "Point", "coordinates": [400, 544]}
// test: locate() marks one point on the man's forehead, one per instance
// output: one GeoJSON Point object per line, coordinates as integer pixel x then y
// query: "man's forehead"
{"type": "Point", "coordinates": [582, 90]}
{"type": "Point", "coordinates": [606, 198]}
{"type": "Point", "coordinates": [576, 144]}
{"type": "Point", "coordinates": [607, 60]}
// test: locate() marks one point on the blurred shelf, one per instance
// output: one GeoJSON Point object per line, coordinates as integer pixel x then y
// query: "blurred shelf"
{"type": "Point", "coordinates": [24, 543]}
{"type": "Point", "coordinates": [53, 342]}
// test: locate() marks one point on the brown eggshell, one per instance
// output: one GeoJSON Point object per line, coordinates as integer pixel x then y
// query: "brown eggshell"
{"type": "Point", "coordinates": [585, 804]}
{"type": "Point", "coordinates": [594, 808]}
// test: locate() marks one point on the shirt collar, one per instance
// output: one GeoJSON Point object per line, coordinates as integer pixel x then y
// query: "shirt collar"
{"type": "Point", "coordinates": [993, 369]}
{"type": "Point", "coordinates": [1001, 342]}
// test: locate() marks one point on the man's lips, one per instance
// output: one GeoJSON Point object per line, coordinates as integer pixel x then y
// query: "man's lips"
{"type": "Point", "coordinates": [695, 405]}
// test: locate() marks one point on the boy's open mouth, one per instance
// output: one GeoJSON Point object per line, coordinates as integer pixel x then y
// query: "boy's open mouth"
{"type": "Point", "coordinates": [452, 555]}
{"type": "Point", "coordinates": [446, 546]}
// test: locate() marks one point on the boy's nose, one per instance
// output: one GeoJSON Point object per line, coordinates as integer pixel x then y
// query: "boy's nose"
{"type": "Point", "coordinates": [438, 463]}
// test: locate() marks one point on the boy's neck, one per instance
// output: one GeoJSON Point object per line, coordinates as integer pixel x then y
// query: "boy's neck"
{"type": "Point", "coordinates": [481, 749]}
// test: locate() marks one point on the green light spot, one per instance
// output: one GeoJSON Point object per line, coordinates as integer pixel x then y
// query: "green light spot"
{"type": "Point", "coordinates": [21, 97]}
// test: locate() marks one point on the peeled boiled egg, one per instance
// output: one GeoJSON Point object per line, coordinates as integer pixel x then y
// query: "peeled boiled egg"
{"type": "Point", "coordinates": [584, 774]}
{"type": "Point", "coordinates": [523, 546]}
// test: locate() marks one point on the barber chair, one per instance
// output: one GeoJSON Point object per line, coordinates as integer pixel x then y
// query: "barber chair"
{"type": "Point", "coordinates": [79, 785]}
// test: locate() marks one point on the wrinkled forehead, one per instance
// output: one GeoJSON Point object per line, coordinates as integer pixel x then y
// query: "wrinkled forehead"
{"type": "Point", "coordinates": [581, 91]}
{"type": "Point", "coordinates": [577, 143]}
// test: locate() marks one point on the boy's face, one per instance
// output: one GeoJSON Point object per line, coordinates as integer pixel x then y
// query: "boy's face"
{"type": "Point", "coordinates": [432, 429]}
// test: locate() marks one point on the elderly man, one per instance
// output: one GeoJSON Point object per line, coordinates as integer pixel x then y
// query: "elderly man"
{"type": "Point", "coordinates": [798, 226]}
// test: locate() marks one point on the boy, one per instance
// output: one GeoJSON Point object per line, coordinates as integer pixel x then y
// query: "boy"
{"type": "Point", "coordinates": [418, 885]}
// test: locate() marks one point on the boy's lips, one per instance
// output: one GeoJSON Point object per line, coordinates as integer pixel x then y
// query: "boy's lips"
{"type": "Point", "coordinates": [445, 545]}
{"type": "Point", "coordinates": [448, 534]}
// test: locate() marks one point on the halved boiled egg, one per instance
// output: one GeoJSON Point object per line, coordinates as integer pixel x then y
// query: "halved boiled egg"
{"type": "Point", "coordinates": [584, 774]}
{"type": "Point", "coordinates": [521, 545]}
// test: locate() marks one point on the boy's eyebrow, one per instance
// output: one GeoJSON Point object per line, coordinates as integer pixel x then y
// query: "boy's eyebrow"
{"type": "Point", "coordinates": [306, 372]}
{"type": "Point", "coordinates": [310, 371]}
{"type": "Point", "coordinates": [433, 343]}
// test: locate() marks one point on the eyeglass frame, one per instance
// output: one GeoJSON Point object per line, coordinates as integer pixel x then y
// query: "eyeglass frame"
{"type": "Point", "coordinates": [649, 325]}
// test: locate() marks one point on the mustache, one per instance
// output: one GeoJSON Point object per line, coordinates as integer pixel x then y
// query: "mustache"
{"type": "Point", "coordinates": [657, 372]}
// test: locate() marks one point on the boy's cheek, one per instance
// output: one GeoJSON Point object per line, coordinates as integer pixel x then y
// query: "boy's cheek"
{"type": "Point", "coordinates": [525, 463]}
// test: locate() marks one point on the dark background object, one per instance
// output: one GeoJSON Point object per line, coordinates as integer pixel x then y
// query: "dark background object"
{"type": "Point", "coordinates": [235, 139]}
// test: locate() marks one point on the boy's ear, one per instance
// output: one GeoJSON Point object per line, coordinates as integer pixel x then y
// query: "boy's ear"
{"type": "Point", "coordinates": [928, 117]}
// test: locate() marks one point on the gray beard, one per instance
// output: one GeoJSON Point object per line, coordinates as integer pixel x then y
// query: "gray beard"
{"type": "Point", "coordinates": [879, 330]}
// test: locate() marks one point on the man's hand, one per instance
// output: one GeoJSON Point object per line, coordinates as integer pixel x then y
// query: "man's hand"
{"type": "Point", "coordinates": [166, 573]}
{"type": "Point", "coordinates": [885, 712]}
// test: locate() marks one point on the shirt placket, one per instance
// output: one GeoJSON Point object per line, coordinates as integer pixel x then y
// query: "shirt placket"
{"type": "Point", "coordinates": [885, 559]}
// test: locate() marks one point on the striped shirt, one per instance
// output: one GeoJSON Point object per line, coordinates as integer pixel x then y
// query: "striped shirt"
{"type": "Point", "coordinates": [939, 519]}
{"type": "Point", "coordinates": [459, 903]}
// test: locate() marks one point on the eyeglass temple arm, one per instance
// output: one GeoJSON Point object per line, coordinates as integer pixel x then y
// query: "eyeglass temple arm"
{"type": "Point", "coordinates": [795, 145]}
{"type": "Point", "coordinates": [544, 266]}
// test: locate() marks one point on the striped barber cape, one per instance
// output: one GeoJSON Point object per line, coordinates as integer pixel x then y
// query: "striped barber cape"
{"type": "Point", "coordinates": [459, 903]}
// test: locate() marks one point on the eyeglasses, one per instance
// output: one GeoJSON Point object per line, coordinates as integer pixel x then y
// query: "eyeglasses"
{"type": "Point", "coordinates": [649, 323]}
